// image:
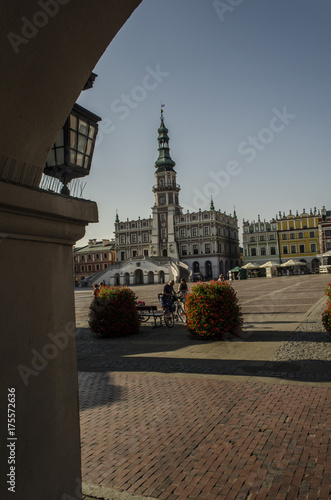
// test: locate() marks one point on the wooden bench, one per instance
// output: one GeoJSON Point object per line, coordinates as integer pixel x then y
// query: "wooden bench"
{"type": "Point", "coordinates": [148, 312]}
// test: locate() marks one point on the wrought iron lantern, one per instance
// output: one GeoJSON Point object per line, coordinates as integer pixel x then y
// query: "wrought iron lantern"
{"type": "Point", "coordinates": [71, 154]}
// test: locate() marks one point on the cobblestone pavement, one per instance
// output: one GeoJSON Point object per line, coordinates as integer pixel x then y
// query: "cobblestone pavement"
{"type": "Point", "coordinates": [166, 417]}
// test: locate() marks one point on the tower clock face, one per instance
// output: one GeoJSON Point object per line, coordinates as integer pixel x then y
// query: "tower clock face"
{"type": "Point", "coordinates": [162, 200]}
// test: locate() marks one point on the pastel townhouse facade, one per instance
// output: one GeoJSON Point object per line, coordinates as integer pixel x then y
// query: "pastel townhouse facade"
{"type": "Point", "coordinates": [92, 258]}
{"type": "Point", "coordinates": [299, 237]}
{"type": "Point", "coordinates": [324, 230]}
{"type": "Point", "coordinates": [170, 244]}
{"type": "Point", "coordinates": [260, 241]}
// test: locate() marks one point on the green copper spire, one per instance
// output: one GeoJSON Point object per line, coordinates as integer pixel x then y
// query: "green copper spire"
{"type": "Point", "coordinates": [212, 204]}
{"type": "Point", "coordinates": [164, 161]}
{"type": "Point", "coordinates": [116, 218]}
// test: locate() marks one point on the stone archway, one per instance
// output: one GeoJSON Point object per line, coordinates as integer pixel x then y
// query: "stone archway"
{"type": "Point", "coordinates": [196, 267]}
{"type": "Point", "coordinates": [126, 280]}
{"type": "Point", "coordinates": [150, 277]}
{"type": "Point", "coordinates": [138, 277]}
{"type": "Point", "coordinates": [116, 279]}
{"type": "Point", "coordinates": [208, 270]}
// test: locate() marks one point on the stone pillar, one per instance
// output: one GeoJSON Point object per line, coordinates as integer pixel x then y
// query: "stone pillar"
{"type": "Point", "coordinates": [38, 346]}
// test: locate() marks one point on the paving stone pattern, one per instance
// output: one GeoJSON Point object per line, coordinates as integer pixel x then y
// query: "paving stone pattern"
{"type": "Point", "coordinates": [182, 437]}
{"type": "Point", "coordinates": [166, 417]}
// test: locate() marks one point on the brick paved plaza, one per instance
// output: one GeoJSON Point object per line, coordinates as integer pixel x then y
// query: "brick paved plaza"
{"type": "Point", "coordinates": [166, 417]}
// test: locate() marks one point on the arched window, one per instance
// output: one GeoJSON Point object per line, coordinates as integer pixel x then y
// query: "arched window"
{"type": "Point", "coordinates": [208, 269]}
{"type": "Point", "coordinates": [196, 267]}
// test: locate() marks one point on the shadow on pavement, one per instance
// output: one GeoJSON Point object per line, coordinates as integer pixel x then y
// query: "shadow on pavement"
{"type": "Point", "coordinates": [135, 354]}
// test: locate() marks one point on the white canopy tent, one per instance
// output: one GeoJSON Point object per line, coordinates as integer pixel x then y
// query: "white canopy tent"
{"type": "Point", "coordinates": [270, 264]}
{"type": "Point", "coordinates": [291, 263]}
{"type": "Point", "coordinates": [251, 265]}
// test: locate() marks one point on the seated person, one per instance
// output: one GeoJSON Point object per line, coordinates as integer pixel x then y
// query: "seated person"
{"type": "Point", "coordinates": [168, 295]}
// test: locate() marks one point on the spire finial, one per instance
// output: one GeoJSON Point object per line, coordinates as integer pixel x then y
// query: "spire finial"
{"type": "Point", "coordinates": [116, 218]}
{"type": "Point", "coordinates": [211, 204]}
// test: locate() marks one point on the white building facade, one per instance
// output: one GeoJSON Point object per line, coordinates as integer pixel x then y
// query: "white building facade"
{"type": "Point", "coordinates": [170, 244]}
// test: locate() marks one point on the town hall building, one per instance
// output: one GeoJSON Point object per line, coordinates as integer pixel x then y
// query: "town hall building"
{"type": "Point", "coordinates": [170, 244]}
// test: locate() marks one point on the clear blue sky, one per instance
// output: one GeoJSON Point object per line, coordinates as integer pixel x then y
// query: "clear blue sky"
{"type": "Point", "coordinates": [247, 92]}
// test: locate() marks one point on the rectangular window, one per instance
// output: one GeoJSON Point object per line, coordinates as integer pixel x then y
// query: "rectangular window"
{"type": "Point", "coordinates": [284, 236]}
{"type": "Point", "coordinates": [206, 230]}
{"type": "Point", "coordinates": [145, 237]}
{"type": "Point", "coordinates": [272, 237]}
{"type": "Point", "coordinates": [311, 234]}
{"type": "Point", "coordinates": [313, 247]}
{"type": "Point", "coordinates": [263, 251]}
{"type": "Point", "coordinates": [182, 233]}
{"type": "Point", "coordinates": [184, 250]}
{"type": "Point", "coordinates": [328, 246]}
{"type": "Point", "coordinates": [146, 253]}
{"type": "Point", "coordinates": [253, 252]}
{"type": "Point", "coordinates": [75, 258]}
{"type": "Point", "coordinates": [163, 233]}
{"type": "Point", "coordinates": [98, 267]}
{"type": "Point", "coordinates": [327, 233]}
{"type": "Point", "coordinates": [105, 266]}
{"type": "Point", "coordinates": [89, 257]}
{"type": "Point", "coordinates": [207, 247]}
{"type": "Point", "coordinates": [252, 238]}
{"type": "Point", "coordinates": [300, 236]}
{"type": "Point", "coordinates": [293, 249]}
{"type": "Point", "coordinates": [105, 256]}
{"type": "Point", "coordinates": [122, 239]}
{"type": "Point", "coordinates": [82, 258]}
{"type": "Point", "coordinates": [134, 253]}
{"type": "Point", "coordinates": [194, 231]}
{"type": "Point", "coordinates": [97, 256]}
{"type": "Point", "coordinates": [301, 248]}
{"type": "Point", "coordinates": [285, 250]}
{"type": "Point", "coordinates": [273, 251]}
{"type": "Point", "coordinates": [195, 249]}
{"type": "Point", "coordinates": [292, 236]}
{"type": "Point", "coordinates": [89, 268]}
{"type": "Point", "coordinates": [82, 268]}
{"type": "Point", "coordinates": [122, 255]}
{"type": "Point", "coordinates": [133, 238]}
{"type": "Point", "coordinates": [162, 217]}
{"type": "Point", "coordinates": [262, 238]}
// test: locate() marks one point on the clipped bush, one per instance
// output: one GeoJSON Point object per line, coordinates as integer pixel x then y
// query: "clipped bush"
{"type": "Point", "coordinates": [113, 312]}
{"type": "Point", "coordinates": [326, 314]}
{"type": "Point", "coordinates": [213, 311]}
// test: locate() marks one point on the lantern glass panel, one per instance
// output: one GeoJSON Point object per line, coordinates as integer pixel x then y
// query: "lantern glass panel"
{"type": "Point", "coordinates": [89, 147]}
{"type": "Point", "coordinates": [83, 127]}
{"type": "Point", "coordinates": [51, 158]}
{"type": "Point", "coordinates": [73, 122]}
{"type": "Point", "coordinates": [73, 140]}
{"type": "Point", "coordinates": [91, 132]}
{"type": "Point", "coordinates": [80, 160]}
{"type": "Point", "coordinates": [87, 162]}
{"type": "Point", "coordinates": [82, 140]}
{"type": "Point", "coordinates": [72, 156]}
{"type": "Point", "coordinates": [59, 156]}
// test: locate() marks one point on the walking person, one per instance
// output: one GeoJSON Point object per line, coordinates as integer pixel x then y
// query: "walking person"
{"type": "Point", "coordinates": [183, 289]}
